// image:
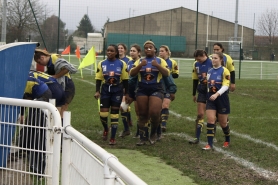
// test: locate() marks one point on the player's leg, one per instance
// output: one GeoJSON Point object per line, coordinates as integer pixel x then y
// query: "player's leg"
{"type": "Point", "coordinates": [104, 112]}
{"type": "Point", "coordinates": [124, 115]}
{"type": "Point", "coordinates": [142, 104]}
{"type": "Point", "coordinates": [69, 95]}
{"type": "Point", "coordinates": [199, 123]}
{"type": "Point", "coordinates": [165, 112]}
{"type": "Point", "coordinates": [223, 111]}
{"type": "Point", "coordinates": [210, 114]}
{"type": "Point", "coordinates": [137, 119]}
{"type": "Point", "coordinates": [155, 105]}
{"type": "Point", "coordinates": [129, 119]}
{"type": "Point", "coordinates": [114, 116]}
{"type": "Point", "coordinates": [115, 103]}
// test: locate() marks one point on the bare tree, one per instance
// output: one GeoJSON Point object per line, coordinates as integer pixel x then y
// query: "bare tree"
{"type": "Point", "coordinates": [20, 19]}
{"type": "Point", "coordinates": [268, 24]}
{"type": "Point", "coordinates": [50, 33]}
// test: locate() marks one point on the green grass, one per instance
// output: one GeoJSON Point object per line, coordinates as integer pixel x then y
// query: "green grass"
{"type": "Point", "coordinates": [253, 113]}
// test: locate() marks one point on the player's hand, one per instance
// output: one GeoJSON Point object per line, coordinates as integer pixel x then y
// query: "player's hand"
{"type": "Point", "coordinates": [97, 95]}
{"type": "Point", "coordinates": [143, 62]}
{"type": "Point", "coordinates": [172, 97]}
{"type": "Point", "coordinates": [194, 99]}
{"type": "Point", "coordinates": [232, 87]}
{"type": "Point", "coordinates": [154, 63]}
{"type": "Point", "coordinates": [128, 100]}
{"type": "Point", "coordinates": [213, 97]}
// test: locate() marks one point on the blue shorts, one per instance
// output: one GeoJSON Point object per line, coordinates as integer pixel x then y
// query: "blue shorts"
{"type": "Point", "coordinates": [221, 104]}
{"type": "Point", "coordinates": [111, 95]}
{"type": "Point", "coordinates": [69, 90]}
{"type": "Point", "coordinates": [155, 89]}
{"type": "Point", "coordinates": [202, 98]}
{"type": "Point", "coordinates": [45, 96]}
{"type": "Point", "coordinates": [57, 93]}
{"type": "Point", "coordinates": [167, 95]}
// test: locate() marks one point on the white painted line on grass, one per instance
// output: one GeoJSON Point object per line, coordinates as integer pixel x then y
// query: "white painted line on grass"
{"type": "Point", "coordinates": [85, 81]}
{"type": "Point", "coordinates": [244, 136]}
{"type": "Point", "coordinates": [261, 171]}
{"type": "Point", "coordinates": [248, 137]}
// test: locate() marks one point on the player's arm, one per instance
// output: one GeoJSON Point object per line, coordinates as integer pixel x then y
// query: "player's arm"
{"type": "Point", "coordinates": [61, 73]}
{"type": "Point", "coordinates": [195, 79]}
{"type": "Point", "coordinates": [225, 82]}
{"type": "Point", "coordinates": [99, 79]}
{"type": "Point", "coordinates": [175, 70]}
{"type": "Point", "coordinates": [225, 85]}
{"type": "Point", "coordinates": [136, 67]}
{"type": "Point", "coordinates": [124, 77]}
{"type": "Point", "coordinates": [162, 67]}
{"type": "Point", "coordinates": [230, 66]}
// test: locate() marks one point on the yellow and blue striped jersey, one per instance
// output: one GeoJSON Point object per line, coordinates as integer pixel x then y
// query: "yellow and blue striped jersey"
{"type": "Point", "coordinates": [200, 70]}
{"type": "Point", "coordinates": [112, 72]}
{"type": "Point", "coordinates": [126, 59]}
{"type": "Point", "coordinates": [218, 77]}
{"type": "Point", "coordinates": [173, 66]}
{"type": "Point", "coordinates": [35, 88]}
{"type": "Point", "coordinates": [149, 74]}
{"type": "Point", "coordinates": [46, 78]}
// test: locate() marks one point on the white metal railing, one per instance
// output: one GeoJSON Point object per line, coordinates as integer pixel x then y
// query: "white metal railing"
{"type": "Point", "coordinates": [88, 163]}
{"type": "Point", "coordinates": [36, 144]}
{"type": "Point", "coordinates": [30, 143]}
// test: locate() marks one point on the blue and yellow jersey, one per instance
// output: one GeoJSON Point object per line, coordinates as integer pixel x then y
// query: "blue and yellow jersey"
{"type": "Point", "coordinates": [130, 64]}
{"type": "Point", "coordinates": [126, 59]}
{"type": "Point", "coordinates": [44, 77]}
{"type": "Point", "coordinates": [35, 88]}
{"type": "Point", "coordinates": [149, 74]}
{"type": "Point", "coordinates": [228, 62]}
{"type": "Point", "coordinates": [217, 78]}
{"type": "Point", "coordinates": [112, 72]}
{"type": "Point", "coordinates": [173, 66]}
{"type": "Point", "coordinates": [51, 63]}
{"type": "Point", "coordinates": [200, 70]}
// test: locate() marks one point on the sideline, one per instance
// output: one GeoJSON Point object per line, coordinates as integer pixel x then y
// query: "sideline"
{"type": "Point", "coordinates": [244, 136]}
{"type": "Point", "coordinates": [261, 171]}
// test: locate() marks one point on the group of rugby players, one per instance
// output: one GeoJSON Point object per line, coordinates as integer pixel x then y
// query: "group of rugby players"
{"type": "Point", "coordinates": [148, 82]}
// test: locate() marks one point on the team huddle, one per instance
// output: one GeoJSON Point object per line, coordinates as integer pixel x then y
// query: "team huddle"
{"type": "Point", "coordinates": [149, 83]}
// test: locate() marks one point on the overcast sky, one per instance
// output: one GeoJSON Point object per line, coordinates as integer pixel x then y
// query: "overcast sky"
{"type": "Point", "coordinates": [99, 10]}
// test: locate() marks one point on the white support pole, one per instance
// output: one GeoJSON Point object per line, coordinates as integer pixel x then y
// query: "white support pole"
{"type": "Point", "coordinates": [66, 154]}
{"type": "Point", "coordinates": [241, 35]}
{"type": "Point", "coordinates": [207, 30]}
{"type": "Point", "coordinates": [49, 143]}
{"type": "Point", "coordinates": [56, 147]}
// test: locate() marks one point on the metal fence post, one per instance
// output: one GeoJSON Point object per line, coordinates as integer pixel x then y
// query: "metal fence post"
{"type": "Point", "coordinates": [66, 154]}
